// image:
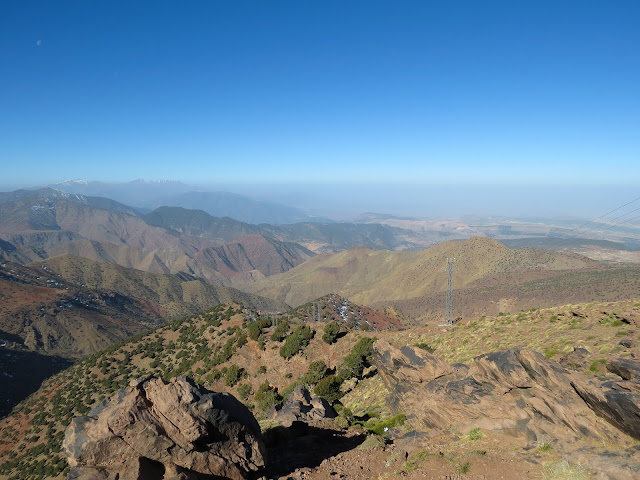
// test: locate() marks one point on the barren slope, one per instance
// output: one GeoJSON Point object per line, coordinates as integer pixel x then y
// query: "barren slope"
{"type": "Point", "coordinates": [367, 276]}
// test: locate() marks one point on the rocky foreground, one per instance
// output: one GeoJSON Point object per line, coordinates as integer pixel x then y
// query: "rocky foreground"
{"type": "Point", "coordinates": [174, 430]}
{"type": "Point", "coordinates": [177, 430]}
{"type": "Point", "coordinates": [521, 394]}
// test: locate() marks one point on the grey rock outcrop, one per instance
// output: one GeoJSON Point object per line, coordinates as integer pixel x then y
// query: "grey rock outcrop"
{"type": "Point", "coordinates": [302, 407]}
{"type": "Point", "coordinates": [522, 394]}
{"type": "Point", "coordinates": [158, 430]}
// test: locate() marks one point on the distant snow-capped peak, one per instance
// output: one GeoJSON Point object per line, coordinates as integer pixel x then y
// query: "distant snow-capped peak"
{"type": "Point", "coordinates": [155, 182]}
{"type": "Point", "coordinates": [76, 181]}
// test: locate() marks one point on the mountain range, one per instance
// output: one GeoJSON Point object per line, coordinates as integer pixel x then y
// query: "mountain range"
{"type": "Point", "coordinates": [489, 278]}
{"type": "Point", "coordinates": [48, 223]}
{"type": "Point", "coordinates": [148, 195]}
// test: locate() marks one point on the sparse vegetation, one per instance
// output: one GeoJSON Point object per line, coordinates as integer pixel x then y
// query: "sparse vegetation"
{"type": "Point", "coordinates": [380, 428]}
{"type": "Point", "coordinates": [544, 447]}
{"type": "Point", "coordinates": [564, 471]}
{"type": "Point", "coordinates": [474, 434]}
{"type": "Point", "coordinates": [426, 347]}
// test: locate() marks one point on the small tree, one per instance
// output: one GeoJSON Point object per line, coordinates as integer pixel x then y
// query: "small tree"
{"type": "Point", "coordinates": [280, 331]}
{"type": "Point", "coordinates": [329, 388]}
{"type": "Point", "coordinates": [357, 359]}
{"type": "Point", "coordinates": [244, 390]}
{"type": "Point", "coordinates": [266, 396]}
{"type": "Point", "coordinates": [317, 371]}
{"type": "Point", "coordinates": [331, 332]}
{"type": "Point", "coordinates": [232, 376]}
{"type": "Point", "coordinates": [296, 342]}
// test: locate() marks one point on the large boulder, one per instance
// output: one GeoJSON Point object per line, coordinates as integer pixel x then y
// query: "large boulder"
{"type": "Point", "coordinates": [158, 430]}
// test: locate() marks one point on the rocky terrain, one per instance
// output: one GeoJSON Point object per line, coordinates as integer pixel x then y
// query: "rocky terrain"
{"type": "Point", "coordinates": [547, 392]}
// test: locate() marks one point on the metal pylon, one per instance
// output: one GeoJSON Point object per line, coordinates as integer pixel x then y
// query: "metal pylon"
{"type": "Point", "coordinates": [449, 310]}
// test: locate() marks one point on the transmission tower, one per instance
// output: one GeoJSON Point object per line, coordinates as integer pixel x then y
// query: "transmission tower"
{"type": "Point", "coordinates": [449, 312]}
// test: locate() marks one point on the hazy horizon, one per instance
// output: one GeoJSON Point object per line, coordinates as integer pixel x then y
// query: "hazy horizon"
{"type": "Point", "coordinates": [345, 201]}
{"type": "Point", "coordinates": [412, 108]}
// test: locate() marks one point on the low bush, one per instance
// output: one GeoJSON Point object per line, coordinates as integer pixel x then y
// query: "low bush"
{"type": "Point", "coordinates": [296, 342]}
{"type": "Point", "coordinates": [331, 332]}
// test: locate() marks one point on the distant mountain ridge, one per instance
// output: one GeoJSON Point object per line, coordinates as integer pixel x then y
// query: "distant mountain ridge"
{"type": "Point", "coordinates": [149, 195]}
{"type": "Point", "coordinates": [49, 195]}
{"type": "Point", "coordinates": [35, 225]}
{"type": "Point", "coordinates": [316, 236]}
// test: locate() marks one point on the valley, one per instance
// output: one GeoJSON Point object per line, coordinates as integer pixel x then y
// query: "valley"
{"type": "Point", "coordinates": [95, 294]}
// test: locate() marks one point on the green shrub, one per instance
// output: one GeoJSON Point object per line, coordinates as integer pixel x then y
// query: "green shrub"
{"type": "Point", "coordinates": [254, 331]}
{"type": "Point", "coordinates": [331, 332]}
{"type": "Point", "coordinates": [544, 447]}
{"type": "Point", "coordinates": [280, 332]}
{"type": "Point", "coordinates": [241, 339]}
{"type": "Point", "coordinates": [266, 396]}
{"type": "Point", "coordinates": [426, 347]}
{"type": "Point", "coordinates": [357, 359]}
{"type": "Point", "coordinates": [594, 366]}
{"type": "Point", "coordinates": [244, 390]}
{"type": "Point", "coordinates": [317, 371]}
{"type": "Point", "coordinates": [296, 342]}
{"type": "Point", "coordinates": [329, 388]}
{"type": "Point", "coordinates": [474, 434]}
{"type": "Point", "coordinates": [232, 375]}
{"type": "Point", "coordinates": [382, 427]}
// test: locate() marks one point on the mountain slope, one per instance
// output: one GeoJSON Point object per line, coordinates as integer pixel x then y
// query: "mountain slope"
{"type": "Point", "coordinates": [41, 227]}
{"type": "Point", "coordinates": [174, 295]}
{"type": "Point", "coordinates": [198, 223]}
{"type": "Point", "coordinates": [377, 277]}
{"type": "Point", "coordinates": [588, 339]}
{"type": "Point", "coordinates": [69, 307]}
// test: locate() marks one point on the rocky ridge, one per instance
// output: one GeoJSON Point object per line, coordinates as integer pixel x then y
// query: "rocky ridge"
{"type": "Point", "coordinates": [520, 393]}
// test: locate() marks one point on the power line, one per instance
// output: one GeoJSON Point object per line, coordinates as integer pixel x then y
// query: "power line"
{"type": "Point", "coordinates": [622, 223]}
{"type": "Point", "coordinates": [604, 215]}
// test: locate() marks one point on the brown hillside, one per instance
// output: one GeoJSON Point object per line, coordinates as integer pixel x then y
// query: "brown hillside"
{"type": "Point", "coordinates": [586, 344]}
{"type": "Point", "coordinates": [40, 228]}
{"type": "Point", "coordinates": [375, 277]}
{"type": "Point", "coordinates": [176, 295]}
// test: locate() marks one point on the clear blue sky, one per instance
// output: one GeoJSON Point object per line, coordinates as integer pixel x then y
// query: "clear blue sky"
{"type": "Point", "coordinates": [433, 92]}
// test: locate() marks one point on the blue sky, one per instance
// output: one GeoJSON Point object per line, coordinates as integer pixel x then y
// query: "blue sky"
{"type": "Point", "coordinates": [456, 92]}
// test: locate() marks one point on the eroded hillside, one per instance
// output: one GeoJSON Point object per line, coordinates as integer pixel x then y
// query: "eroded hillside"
{"type": "Point", "coordinates": [488, 278]}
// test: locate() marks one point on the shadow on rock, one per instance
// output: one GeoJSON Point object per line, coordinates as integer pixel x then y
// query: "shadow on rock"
{"type": "Point", "coordinates": [302, 445]}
